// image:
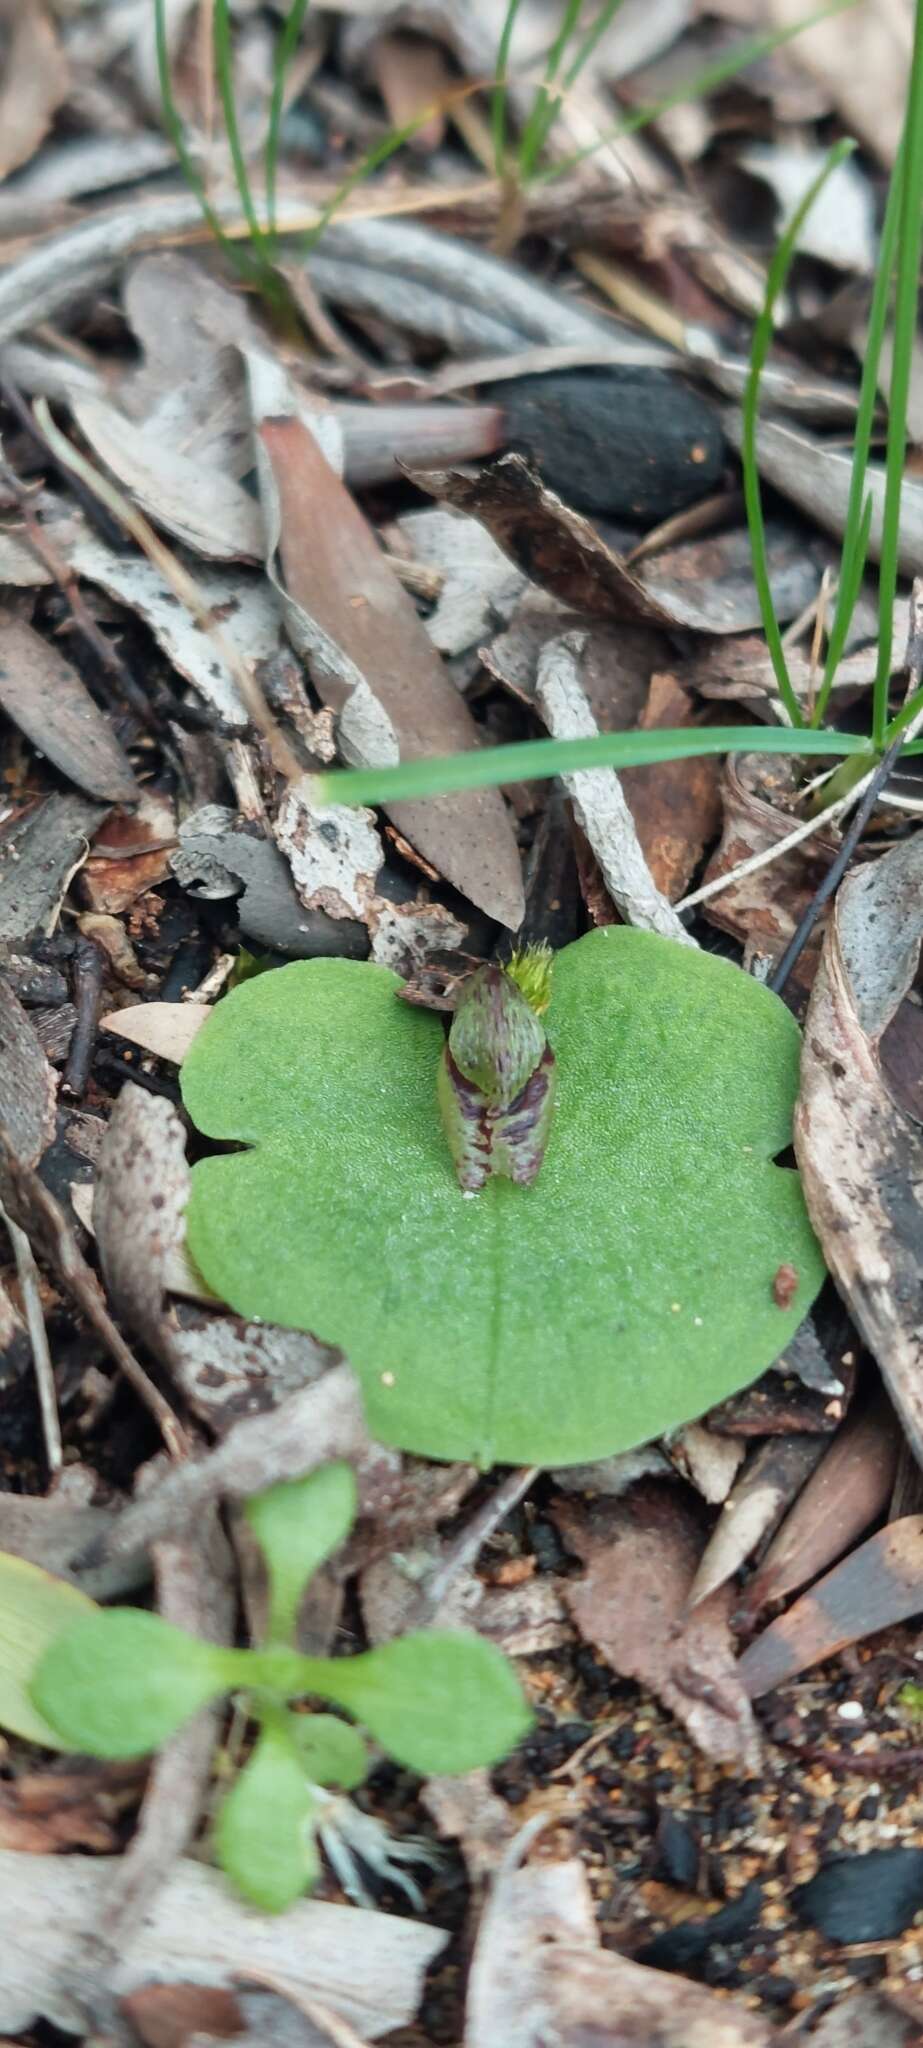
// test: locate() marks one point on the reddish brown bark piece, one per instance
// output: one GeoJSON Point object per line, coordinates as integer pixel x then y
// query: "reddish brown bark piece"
{"type": "Point", "coordinates": [676, 806]}
{"type": "Point", "coordinates": [881, 1583]}
{"type": "Point", "coordinates": [335, 570]}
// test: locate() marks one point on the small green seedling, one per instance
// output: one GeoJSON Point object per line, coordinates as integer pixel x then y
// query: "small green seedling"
{"type": "Point", "coordinates": [120, 1682]}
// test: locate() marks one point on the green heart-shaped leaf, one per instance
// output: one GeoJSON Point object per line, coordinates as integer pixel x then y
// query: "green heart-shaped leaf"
{"type": "Point", "coordinates": [121, 1682]}
{"type": "Point", "coordinates": [264, 1834]}
{"type": "Point", "coordinates": [626, 1291]}
{"type": "Point", "coordinates": [297, 1524]}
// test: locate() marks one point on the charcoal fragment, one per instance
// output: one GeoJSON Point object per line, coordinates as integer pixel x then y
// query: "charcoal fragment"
{"type": "Point", "coordinates": [863, 1898]}
{"type": "Point", "coordinates": [636, 444]}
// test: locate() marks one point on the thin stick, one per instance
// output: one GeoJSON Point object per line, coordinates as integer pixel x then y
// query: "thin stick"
{"type": "Point", "coordinates": [27, 1272]}
{"type": "Point", "coordinates": [472, 1539]}
{"type": "Point", "coordinates": [752, 865]}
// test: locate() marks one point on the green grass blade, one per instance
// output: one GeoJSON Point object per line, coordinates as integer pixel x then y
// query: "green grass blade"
{"type": "Point", "coordinates": [532, 760]}
{"type": "Point", "coordinates": [544, 106]}
{"type": "Point", "coordinates": [547, 113]}
{"type": "Point", "coordinates": [373, 159]}
{"type": "Point", "coordinates": [224, 70]}
{"type": "Point", "coordinates": [707, 80]}
{"type": "Point", "coordinates": [173, 123]}
{"type": "Point", "coordinates": [498, 95]}
{"type": "Point", "coordinates": [852, 570]}
{"type": "Point", "coordinates": [594, 35]}
{"type": "Point", "coordinates": [286, 45]}
{"type": "Point", "coordinates": [762, 339]}
{"type": "Point", "coordinates": [855, 548]}
{"type": "Point", "coordinates": [910, 243]}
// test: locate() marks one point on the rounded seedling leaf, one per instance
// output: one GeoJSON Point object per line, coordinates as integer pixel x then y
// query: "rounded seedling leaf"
{"type": "Point", "coordinates": [35, 1609]}
{"type": "Point", "coordinates": [626, 1291]}
{"type": "Point", "coordinates": [121, 1682]}
{"type": "Point", "coordinates": [332, 1752]}
{"type": "Point", "coordinates": [264, 1834]}
{"type": "Point", "coordinates": [297, 1524]}
{"type": "Point", "coordinates": [441, 1701]}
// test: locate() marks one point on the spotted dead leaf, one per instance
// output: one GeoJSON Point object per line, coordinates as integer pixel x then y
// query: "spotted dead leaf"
{"type": "Point", "coordinates": [860, 1153]}
{"type": "Point", "coordinates": [640, 1555]}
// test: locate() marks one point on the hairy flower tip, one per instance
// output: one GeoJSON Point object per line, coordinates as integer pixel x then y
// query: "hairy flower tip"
{"type": "Point", "coordinates": [531, 969]}
{"type": "Point", "coordinates": [496, 1083]}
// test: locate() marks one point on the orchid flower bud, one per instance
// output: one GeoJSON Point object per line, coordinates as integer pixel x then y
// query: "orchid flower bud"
{"type": "Point", "coordinates": [496, 1076]}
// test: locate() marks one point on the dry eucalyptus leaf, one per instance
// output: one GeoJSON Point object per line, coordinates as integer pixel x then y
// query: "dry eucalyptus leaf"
{"type": "Point", "coordinates": [861, 1155]}
{"type": "Point", "coordinates": [879, 1584]}
{"type": "Point", "coordinates": [28, 1085]}
{"type": "Point", "coordinates": [35, 81]}
{"type": "Point", "coordinates": [371, 658]}
{"type": "Point", "coordinates": [641, 1554]}
{"type": "Point", "coordinates": [199, 505]}
{"type": "Point", "coordinates": [848, 1491]}
{"type": "Point", "coordinates": [142, 1187]}
{"type": "Point", "coordinates": [45, 696]}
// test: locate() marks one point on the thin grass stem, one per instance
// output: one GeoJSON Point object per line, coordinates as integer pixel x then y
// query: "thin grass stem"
{"type": "Point", "coordinates": [224, 69]}
{"type": "Point", "coordinates": [858, 520]}
{"type": "Point", "coordinates": [499, 94]}
{"type": "Point", "coordinates": [711, 76]}
{"type": "Point", "coordinates": [286, 45]}
{"type": "Point", "coordinates": [543, 107]}
{"type": "Point", "coordinates": [910, 243]}
{"type": "Point", "coordinates": [762, 341]}
{"type": "Point", "coordinates": [173, 123]}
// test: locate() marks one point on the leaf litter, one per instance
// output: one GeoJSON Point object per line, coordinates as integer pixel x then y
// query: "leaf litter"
{"type": "Point", "coordinates": [318, 579]}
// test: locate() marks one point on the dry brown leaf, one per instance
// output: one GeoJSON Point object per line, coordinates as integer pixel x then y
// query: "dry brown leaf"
{"type": "Point", "coordinates": [28, 1085]}
{"type": "Point", "coordinates": [371, 658]}
{"type": "Point", "coordinates": [641, 1554]}
{"type": "Point", "coordinates": [817, 479]}
{"type": "Point", "coordinates": [676, 805]}
{"type": "Point", "coordinates": [334, 853]}
{"type": "Point", "coordinates": [848, 1491]}
{"type": "Point", "coordinates": [553, 546]}
{"type": "Point", "coordinates": [227, 1368]}
{"type": "Point", "coordinates": [198, 504]}
{"type": "Point", "coordinates": [880, 1584]}
{"type": "Point", "coordinates": [754, 1508]}
{"type": "Point", "coordinates": [763, 908]}
{"type": "Point", "coordinates": [39, 852]}
{"type": "Point", "coordinates": [121, 870]}
{"type": "Point", "coordinates": [860, 1154]}
{"type": "Point", "coordinates": [44, 1811]}
{"type": "Point", "coordinates": [860, 64]}
{"type": "Point", "coordinates": [35, 81]}
{"type": "Point", "coordinates": [142, 1187]}
{"type": "Point", "coordinates": [47, 699]}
